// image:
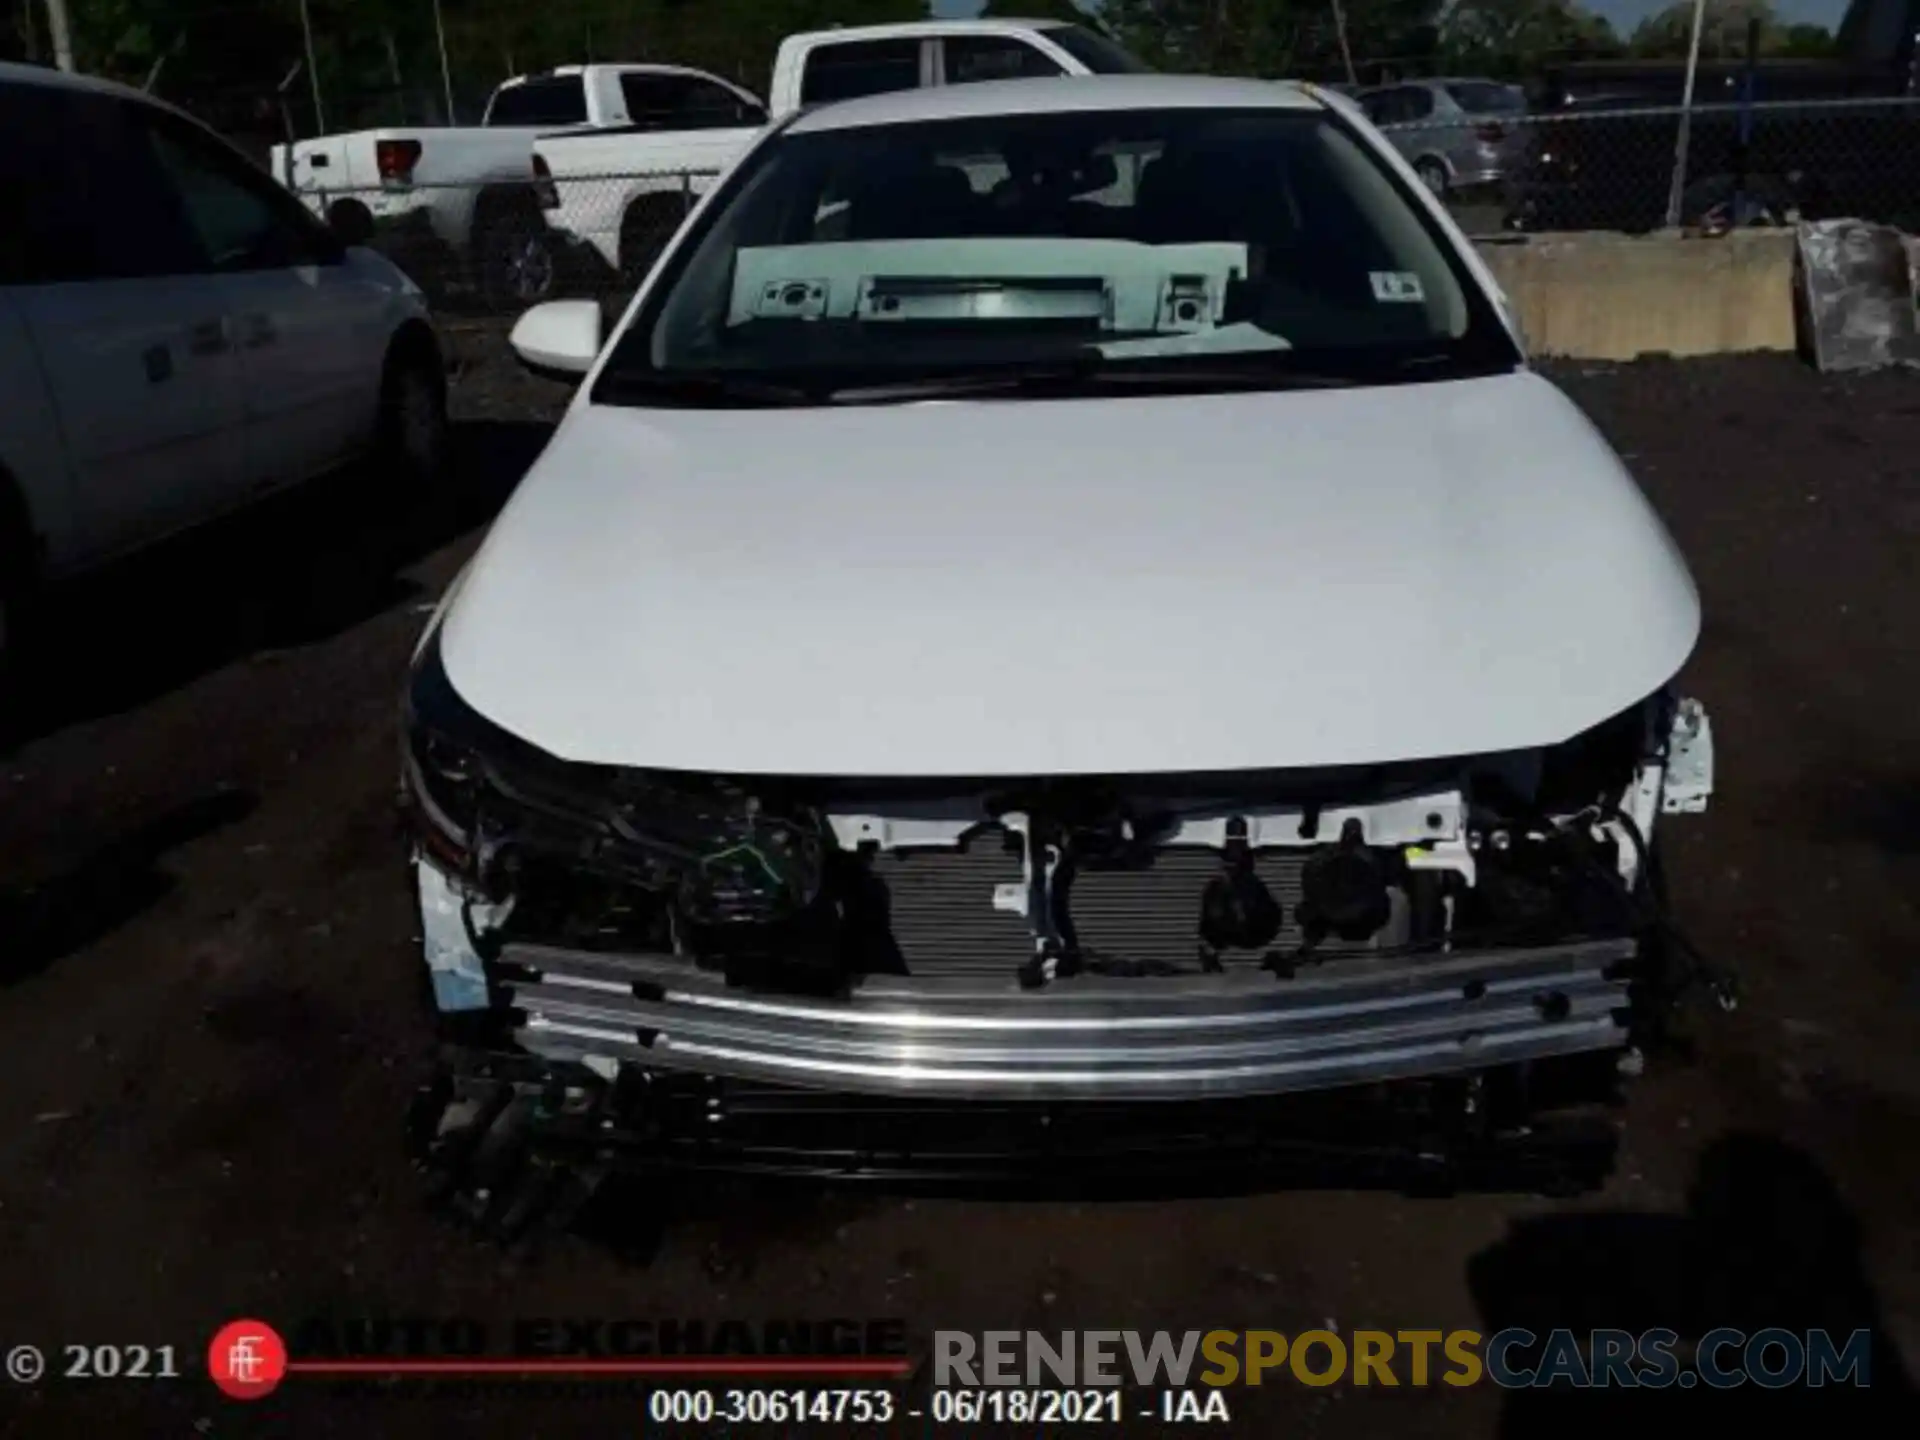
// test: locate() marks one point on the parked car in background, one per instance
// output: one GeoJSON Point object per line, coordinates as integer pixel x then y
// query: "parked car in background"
{"type": "Point", "coordinates": [178, 335]}
{"type": "Point", "coordinates": [1781, 138]}
{"type": "Point", "coordinates": [826, 65]}
{"type": "Point", "coordinates": [1457, 134]}
{"type": "Point", "coordinates": [914, 716]}
{"type": "Point", "coordinates": [621, 192]}
{"type": "Point", "coordinates": [458, 199]}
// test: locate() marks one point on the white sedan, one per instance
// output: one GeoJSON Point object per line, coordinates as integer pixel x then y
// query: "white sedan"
{"type": "Point", "coordinates": [178, 335]}
{"type": "Point", "coordinates": [1055, 591]}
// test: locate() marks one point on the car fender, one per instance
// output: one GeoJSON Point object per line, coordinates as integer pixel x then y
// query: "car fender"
{"type": "Point", "coordinates": [403, 305]}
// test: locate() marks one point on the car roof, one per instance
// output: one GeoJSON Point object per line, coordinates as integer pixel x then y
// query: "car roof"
{"type": "Point", "coordinates": [1065, 94]}
{"type": "Point", "coordinates": [13, 73]}
{"type": "Point", "coordinates": [1433, 82]}
{"type": "Point", "coordinates": [980, 25]}
{"type": "Point", "coordinates": [623, 67]}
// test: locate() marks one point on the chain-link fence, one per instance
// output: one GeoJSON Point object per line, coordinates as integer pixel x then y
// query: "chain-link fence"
{"type": "Point", "coordinates": [1611, 165]}
{"type": "Point", "coordinates": [506, 243]}
{"type": "Point", "coordinates": [500, 245]}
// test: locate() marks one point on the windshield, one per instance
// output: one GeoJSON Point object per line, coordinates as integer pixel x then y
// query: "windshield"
{"type": "Point", "coordinates": [1071, 244]}
{"type": "Point", "coordinates": [1099, 54]}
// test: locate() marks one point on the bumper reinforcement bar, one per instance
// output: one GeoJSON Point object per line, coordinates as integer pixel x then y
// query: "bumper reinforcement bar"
{"type": "Point", "coordinates": [1239, 1033]}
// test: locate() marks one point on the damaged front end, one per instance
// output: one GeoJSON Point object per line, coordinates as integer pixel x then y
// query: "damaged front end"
{"type": "Point", "coordinates": [956, 976]}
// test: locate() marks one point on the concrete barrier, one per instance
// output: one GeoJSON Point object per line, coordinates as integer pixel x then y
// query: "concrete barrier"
{"type": "Point", "coordinates": [1616, 297]}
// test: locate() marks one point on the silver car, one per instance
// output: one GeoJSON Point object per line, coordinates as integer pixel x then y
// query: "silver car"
{"type": "Point", "coordinates": [1457, 134]}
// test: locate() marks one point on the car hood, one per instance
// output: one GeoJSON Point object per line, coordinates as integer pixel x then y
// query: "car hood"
{"type": "Point", "coordinates": [1002, 587]}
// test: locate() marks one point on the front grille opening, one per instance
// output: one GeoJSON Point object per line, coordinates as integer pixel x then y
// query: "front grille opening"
{"type": "Point", "coordinates": [1132, 920]}
{"type": "Point", "coordinates": [950, 913]}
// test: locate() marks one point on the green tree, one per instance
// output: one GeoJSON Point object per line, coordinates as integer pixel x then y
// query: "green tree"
{"type": "Point", "coordinates": [379, 62]}
{"type": "Point", "coordinates": [1723, 33]}
{"type": "Point", "coordinates": [1807, 42]}
{"type": "Point", "coordinates": [221, 59]}
{"type": "Point", "coordinates": [1271, 37]}
{"type": "Point", "coordinates": [1515, 37]}
{"type": "Point", "coordinates": [1066, 10]}
{"type": "Point", "coordinates": [735, 38]}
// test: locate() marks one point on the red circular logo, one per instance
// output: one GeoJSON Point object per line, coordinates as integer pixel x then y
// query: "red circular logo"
{"type": "Point", "coordinates": [247, 1358]}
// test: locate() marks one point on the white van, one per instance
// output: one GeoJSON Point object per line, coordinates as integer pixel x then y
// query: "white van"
{"type": "Point", "coordinates": [177, 334]}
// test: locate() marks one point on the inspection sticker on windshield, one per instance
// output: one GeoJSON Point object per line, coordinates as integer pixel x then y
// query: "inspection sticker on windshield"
{"type": "Point", "coordinates": [1396, 285]}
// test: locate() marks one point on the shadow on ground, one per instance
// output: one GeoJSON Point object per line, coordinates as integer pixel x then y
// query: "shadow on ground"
{"type": "Point", "coordinates": [51, 920]}
{"type": "Point", "coordinates": [1396, 1138]}
{"type": "Point", "coordinates": [295, 570]}
{"type": "Point", "coordinates": [1765, 1241]}
{"type": "Point", "coordinates": [1882, 810]}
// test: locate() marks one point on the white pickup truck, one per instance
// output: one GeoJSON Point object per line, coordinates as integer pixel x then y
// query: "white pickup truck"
{"type": "Point", "coordinates": [467, 190]}
{"type": "Point", "coordinates": [619, 192]}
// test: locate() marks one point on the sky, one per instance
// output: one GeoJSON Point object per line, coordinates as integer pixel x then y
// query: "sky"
{"type": "Point", "coordinates": [1625, 14]}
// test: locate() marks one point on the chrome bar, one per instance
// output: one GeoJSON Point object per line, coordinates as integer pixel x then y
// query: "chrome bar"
{"type": "Point", "coordinates": [1240, 1033]}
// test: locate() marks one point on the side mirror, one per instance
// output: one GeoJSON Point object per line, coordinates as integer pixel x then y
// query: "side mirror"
{"type": "Point", "coordinates": [559, 340]}
{"type": "Point", "coordinates": [350, 222]}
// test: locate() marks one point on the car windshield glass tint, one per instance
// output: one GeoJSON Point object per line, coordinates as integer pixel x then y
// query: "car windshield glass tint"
{"type": "Point", "coordinates": [1179, 237]}
{"type": "Point", "coordinates": [1099, 54]}
{"type": "Point", "coordinates": [559, 101]}
{"type": "Point", "coordinates": [848, 69]}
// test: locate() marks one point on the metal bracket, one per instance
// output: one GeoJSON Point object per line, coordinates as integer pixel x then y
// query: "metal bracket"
{"type": "Point", "coordinates": [1187, 304]}
{"type": "Point", "coordinates": [1689, 760]}
{"type": "Point", "coordinates": [449, 918]}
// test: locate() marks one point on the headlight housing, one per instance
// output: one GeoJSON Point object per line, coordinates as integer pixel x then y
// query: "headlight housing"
{"type": "Point", "coordinates": [484, 804]}
{"type": "Point", "coordinates": [441, 769]}
{"type": "Point", "coordinates": [440, 794]}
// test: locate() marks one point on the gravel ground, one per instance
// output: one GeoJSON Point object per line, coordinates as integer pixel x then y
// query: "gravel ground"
{"type": "Point", "coordinates": [208, 1021]}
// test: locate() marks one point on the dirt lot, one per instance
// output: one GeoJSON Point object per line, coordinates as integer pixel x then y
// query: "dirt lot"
{"type": "Point", "coordinates": [208, 1021]}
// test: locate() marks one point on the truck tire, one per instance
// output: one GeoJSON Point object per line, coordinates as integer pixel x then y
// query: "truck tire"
{"type": "Point", "coordinates": [650, 222]}
{"type": "Point", "coordinates": [518, 261]}
{"type": "Point", "coordinates": [349, 217]}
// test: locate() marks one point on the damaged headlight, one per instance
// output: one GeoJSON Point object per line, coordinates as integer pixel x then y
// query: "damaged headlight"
{"type": "Point", "coordinates": [488, 805]}
{"type": "Point", "coordinates": [733, 861]}
{"type": "Point", "coordinates": [440, 790]}
{"type": "Point", "coordinates": [440, 769]}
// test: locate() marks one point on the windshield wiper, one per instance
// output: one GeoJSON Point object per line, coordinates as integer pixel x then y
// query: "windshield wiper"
{"type": "Point", "coordinates": [1076, 374]}
{"type": "Point", "coordinates": [999, 379]}
{"type": "Point", "coordinates": [1328, 373]}
{"type": "Point", "coordinates": [1080, 376]}
{"type": "Point", "coordinates": [701, 388]}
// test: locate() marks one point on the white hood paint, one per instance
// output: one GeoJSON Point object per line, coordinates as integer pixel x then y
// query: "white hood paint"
{"type": "Point", "coordinates": [1109, 585]}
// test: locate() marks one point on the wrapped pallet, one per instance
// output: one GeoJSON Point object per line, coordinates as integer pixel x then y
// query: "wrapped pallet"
{"type": "Point", "coordinates": [1856, 294]}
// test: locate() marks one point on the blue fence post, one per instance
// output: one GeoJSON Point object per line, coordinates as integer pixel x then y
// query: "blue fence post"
{"type": "Point", "coordinates": [1744, 141]}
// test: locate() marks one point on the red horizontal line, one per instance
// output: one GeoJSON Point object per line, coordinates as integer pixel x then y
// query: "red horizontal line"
{"type": "Point", "coordinates": [885, 1369]}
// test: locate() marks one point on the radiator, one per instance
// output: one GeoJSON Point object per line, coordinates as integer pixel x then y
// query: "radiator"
{"type": "Point", "coordinates": [943, 920]}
